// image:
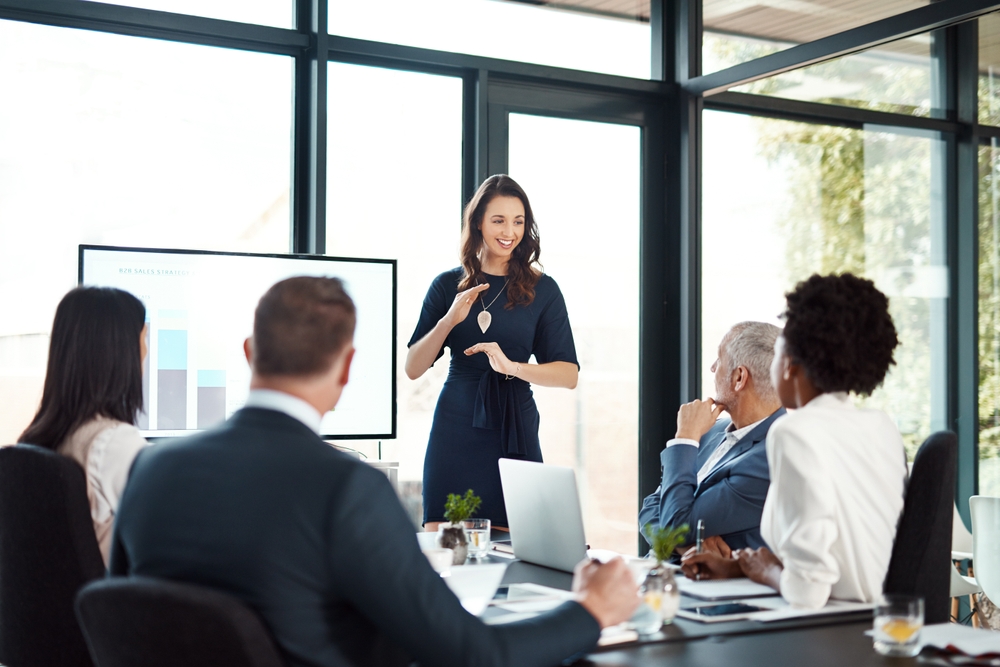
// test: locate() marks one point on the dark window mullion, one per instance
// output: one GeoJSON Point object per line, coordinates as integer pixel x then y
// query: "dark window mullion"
{"type": "Point", "coordinates": [963, 255]}
{"type": "Point", "coordinates": [309, 178]}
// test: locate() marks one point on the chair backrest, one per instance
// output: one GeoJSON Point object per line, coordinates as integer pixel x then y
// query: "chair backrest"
{"type": "Point", "coordinates": [961, 538]}
{"type": "Point", "coordinates": [921, 553]}
{"type": "Point", "coordinates": [986, 543]}
{"type": "Point", "coordinates": [132, 621]}
{"type": "Point", "coordinates": [48, 551]}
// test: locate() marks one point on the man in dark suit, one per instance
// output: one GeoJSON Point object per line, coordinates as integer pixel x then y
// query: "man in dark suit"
{"type": "Point", "coordinates": [715, 470]}
{"type": "Point", "coordinates": [313, 539]}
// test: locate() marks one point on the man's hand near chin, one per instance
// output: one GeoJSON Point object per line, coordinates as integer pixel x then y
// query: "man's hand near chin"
{"type": "Point", "coordinates": [696, 418]}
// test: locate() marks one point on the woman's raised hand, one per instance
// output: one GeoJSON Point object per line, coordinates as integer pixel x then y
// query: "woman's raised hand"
{"type": "Point", "coordinates": [498, 360]}
{"type": "Point", "coordinates": [462, 304]}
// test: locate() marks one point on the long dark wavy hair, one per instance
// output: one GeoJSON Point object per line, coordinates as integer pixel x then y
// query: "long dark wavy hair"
{"type": "Point", "coordinates": [94, 367]}
{"type": "Point", "coordinates": [522, 272]}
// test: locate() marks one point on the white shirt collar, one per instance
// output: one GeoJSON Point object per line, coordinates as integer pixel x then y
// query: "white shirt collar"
{"type": "Point", "coordinates": [292, 406]}
{"type": "Point", "coordinates": [734, 435]}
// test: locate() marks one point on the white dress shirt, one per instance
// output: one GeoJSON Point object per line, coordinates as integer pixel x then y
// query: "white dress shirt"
{"type": "Point", "coordinates": [838, 476]}
{"type": "Point", "coordinates": [733, 435]}
{"type": "Point", "coordinates": [292, 406]}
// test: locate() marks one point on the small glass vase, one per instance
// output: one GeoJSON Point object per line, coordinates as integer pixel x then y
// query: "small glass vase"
{"type": "Point", "coordinates": [452, 536]}
{"type": "Point", "coordinates": [661, 595]}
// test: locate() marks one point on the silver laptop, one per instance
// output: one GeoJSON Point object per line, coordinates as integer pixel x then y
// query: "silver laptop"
{"type": "Point", "coordinates": [543, 510]}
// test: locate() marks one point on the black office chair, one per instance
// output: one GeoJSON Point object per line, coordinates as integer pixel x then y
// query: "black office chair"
{"type": "Point", "coordinates": [921, 554]}
{"type": "Point", "coordinates": [131, 621]}
{"type": "Point", "coordinates": [48, 551]}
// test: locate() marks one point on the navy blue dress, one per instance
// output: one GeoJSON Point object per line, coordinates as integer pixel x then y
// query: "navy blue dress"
{"type": "Point", "coordinates": [481, 417]}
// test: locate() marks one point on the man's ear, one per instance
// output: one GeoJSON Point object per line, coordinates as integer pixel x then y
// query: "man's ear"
{"type": "Point", "coordinates": [248, 351]}
{"type": "Point", "coordinates": [345, 375]}
{"type": "Point", "coordinates": [742, 378]}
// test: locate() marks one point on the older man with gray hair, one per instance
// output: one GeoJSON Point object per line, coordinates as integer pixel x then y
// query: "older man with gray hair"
{"type": "Point", "coordinates": [715, 469]}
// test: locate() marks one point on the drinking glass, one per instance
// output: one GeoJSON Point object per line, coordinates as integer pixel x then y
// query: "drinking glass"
{"type": "Point", "coordinates": [478, 532]}
{"type": "Point", "coordinates": [898, 620]}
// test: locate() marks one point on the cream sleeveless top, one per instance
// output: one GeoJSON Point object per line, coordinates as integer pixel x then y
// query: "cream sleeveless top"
{"type": "Point", "coordinates": [105, 449]}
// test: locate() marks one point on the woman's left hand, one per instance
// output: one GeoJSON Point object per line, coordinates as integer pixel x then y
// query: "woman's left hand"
{"type": "Point", "coordinates": [760, 565]}
{"type": "Point", "coordinates": [498, 360]}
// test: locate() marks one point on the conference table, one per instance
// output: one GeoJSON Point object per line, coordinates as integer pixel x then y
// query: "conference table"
{"type": "Point", "coordinates": [813, 642]}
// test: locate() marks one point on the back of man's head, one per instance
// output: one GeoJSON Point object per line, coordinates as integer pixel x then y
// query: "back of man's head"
{"type": "Point", "coordinates": [300, 326]}
{"type": "Point", "coordinates": [751, 345]}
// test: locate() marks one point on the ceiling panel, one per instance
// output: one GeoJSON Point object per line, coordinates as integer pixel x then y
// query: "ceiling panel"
{"type": "Point", "coordinates": [797, 21]}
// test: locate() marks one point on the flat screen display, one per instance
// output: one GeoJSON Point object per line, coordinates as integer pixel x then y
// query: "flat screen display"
{"type": "Point", "coordinates": [199, 310]}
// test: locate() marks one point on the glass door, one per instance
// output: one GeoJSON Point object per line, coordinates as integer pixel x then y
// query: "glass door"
{"type": "Point", "coordinates": [584, 182]}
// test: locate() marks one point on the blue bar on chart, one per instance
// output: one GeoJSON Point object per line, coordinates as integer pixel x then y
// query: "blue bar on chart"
{"type": "Point", "coordinates": [143, 421]}
{"type": "Point", "coordinates": [171, 371]}
{"type": "Point", "coordinates": [211, 398]}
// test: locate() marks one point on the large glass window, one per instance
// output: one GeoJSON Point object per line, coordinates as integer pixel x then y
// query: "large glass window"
{"type": "Point", "coordinates": [583, 180]}
{"type": "Point", "coordinates": [576, 35]}
{"type": "Point", "coordinates": [989, 319]}
{"type": "Point", "coordinates": [784, 200]}
{"type": "Point", "coordinates": [989, 69]}
{"type": "Point", "coordinates": [743, 27]}
{"type": "Point", "coordinates": [394, 189]}
{"type": "Point", "coordinates": [277, 13]}
{"type": "Point", "coordinates": [894, 78]}
{"type": "Point", "coordinates": [125, 141]}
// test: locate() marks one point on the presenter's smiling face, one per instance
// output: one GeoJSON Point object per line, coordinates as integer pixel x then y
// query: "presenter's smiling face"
{"type": "Point", "coordinates": [502, 226]}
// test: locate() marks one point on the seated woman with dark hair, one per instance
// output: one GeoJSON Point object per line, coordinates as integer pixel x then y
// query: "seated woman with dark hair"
{"type": "Point", "coordinates": [93, 393]}
{"type": "Point", "coordinates": [838, 473]}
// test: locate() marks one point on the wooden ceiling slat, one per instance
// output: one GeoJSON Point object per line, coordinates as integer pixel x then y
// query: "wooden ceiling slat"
{"type": "Point", "coordinates": [795, 21]}
{"type": "Point", "coordinates": [778, 19]}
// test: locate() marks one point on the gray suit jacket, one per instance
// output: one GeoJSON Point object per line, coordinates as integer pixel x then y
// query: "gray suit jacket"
{"type": "Point", "coordinates": [730, 500]}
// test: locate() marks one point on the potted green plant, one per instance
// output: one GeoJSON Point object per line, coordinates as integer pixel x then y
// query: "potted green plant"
{"type": "Point", "coordinates": [451, 535]}
{"type": "Point", "coordinates": [659, 590]}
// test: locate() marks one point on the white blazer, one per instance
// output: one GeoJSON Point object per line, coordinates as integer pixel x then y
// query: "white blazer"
{"type": "Point", "coordinates": [838, 476]}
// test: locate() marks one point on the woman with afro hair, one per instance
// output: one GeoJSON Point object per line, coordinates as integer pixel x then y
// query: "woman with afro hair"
{"type": "Point", "coordinates": [838, 473]}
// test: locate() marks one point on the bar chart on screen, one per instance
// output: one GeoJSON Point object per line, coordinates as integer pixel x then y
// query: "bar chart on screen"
{"type": "Point", "coordinates": [199, 311]}
{"type": "Point", "coordinates": [190, 384]}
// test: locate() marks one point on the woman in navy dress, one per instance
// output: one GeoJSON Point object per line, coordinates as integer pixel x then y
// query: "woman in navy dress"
{"type": "Point", "coordinates": [494, 312]}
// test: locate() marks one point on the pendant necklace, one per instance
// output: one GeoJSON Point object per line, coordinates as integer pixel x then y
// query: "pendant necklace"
{"type": "Point", "coordinates": [484, 318]}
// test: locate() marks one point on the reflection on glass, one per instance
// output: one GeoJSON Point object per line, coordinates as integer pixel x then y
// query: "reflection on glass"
{"type": "Point", "coordinates": [783, 23]}
{"type": "Point", "coordinates": [989, 69]}
{"type": "Point", "coordinates": [277, 13]}
{"type": "Point", "coordinates": [570, 35]}
{"type": "Point", "coordinates": [125, 141]}
{"type": "Point", "coordinates": [394, 189]}
{"type": "Point", "coordinates": [895, 77]}
{"type": "Point", "coordinates": [989, 319]}
{"type": "Point", "coordinates": [784, 200]}
{"type": "Point", "coordinates": [583, 179]}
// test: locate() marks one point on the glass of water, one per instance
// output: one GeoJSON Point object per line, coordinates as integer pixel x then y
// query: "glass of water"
{"type": "Point", "coordinates": [478, 533]}
{"type": "Point", "coordinates": [898, 621]}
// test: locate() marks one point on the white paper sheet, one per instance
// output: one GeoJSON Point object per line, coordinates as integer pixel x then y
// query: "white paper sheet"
{"type": "Point", "coordinates": [971, 641]}
{"type": "Point", "coordinates": [475, 585]}
{"type": "Point", "coordinates": [724, 589]}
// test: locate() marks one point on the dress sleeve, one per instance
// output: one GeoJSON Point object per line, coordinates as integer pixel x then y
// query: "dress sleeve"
{"type": "Point", "coordinates": [436, 305]}
{"type": "Point", "coordinates": [554, 336]}
{"type": "Point", "coordinates": [110, 461]}
{"type": "Point", "coordinates": [805, 517]}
